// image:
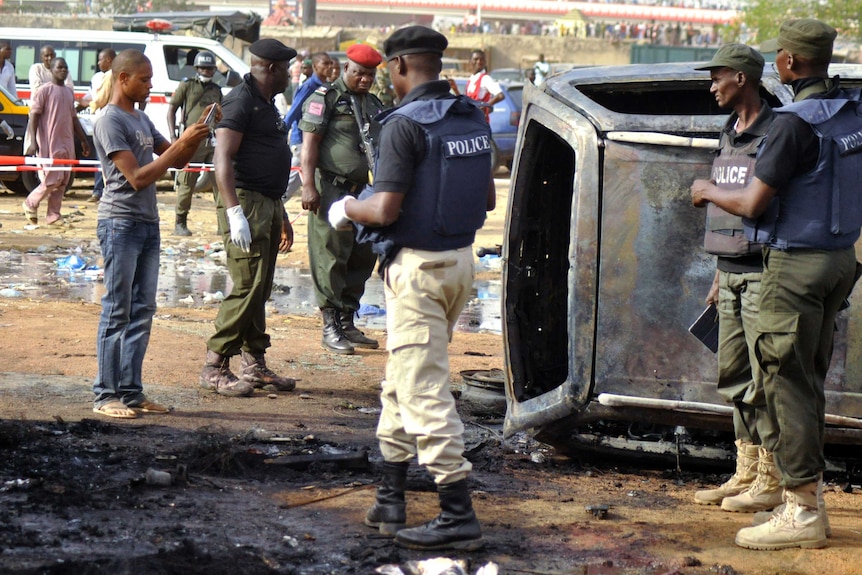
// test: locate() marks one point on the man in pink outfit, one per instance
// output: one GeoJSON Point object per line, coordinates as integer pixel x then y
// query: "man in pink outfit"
{"type": "Point", "coordinates": [53, 126]}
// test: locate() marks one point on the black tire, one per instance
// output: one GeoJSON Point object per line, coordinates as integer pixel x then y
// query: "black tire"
{"type": "Point", "coordinates": [495, 158]}
{"type": "Point", "coordinates": [28, 182]}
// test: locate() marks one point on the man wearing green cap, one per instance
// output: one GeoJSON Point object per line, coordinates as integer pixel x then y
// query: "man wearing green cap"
{"type": "Point", "coordinates": [801, 206]}
{"type": "Point", "coordinates": [735, 71]}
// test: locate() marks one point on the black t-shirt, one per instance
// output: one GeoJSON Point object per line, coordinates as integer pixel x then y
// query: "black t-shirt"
{"type": "Point", "coordinates": [402, 142]}
{"type": "Point", "coordinates": [262, 162]}
{"type": "Point", "coordinates": [791, 147]}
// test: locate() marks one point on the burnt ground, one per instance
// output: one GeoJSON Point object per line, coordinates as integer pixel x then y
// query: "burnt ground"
{"type": "Point", "coordinates": [279, 483]}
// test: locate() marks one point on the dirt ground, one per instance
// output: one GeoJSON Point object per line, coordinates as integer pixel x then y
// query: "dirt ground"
{"type": "Point", "coordinates": [278, 483]}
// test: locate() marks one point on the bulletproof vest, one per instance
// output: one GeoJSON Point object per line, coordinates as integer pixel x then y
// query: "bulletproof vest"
{"type": "Point", "coordinates": [821, 209]}
{"type": "Point", "coordinates": [447, 204]}
{"type": "Point", "coordinates": [732, 169]}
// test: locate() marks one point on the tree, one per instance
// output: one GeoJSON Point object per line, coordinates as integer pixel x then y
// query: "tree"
{"type": "Point", "coordinates": [763, 17]}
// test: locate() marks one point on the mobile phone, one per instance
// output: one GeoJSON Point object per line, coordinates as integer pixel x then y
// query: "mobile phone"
{"type": "Point", "coordinates": [210, 120]}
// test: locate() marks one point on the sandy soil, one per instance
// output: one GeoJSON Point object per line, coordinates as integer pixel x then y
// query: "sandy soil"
{"type": "Point", "coordinates": [74, 498]}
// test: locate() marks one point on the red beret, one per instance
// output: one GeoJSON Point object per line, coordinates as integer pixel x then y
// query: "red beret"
{"type": "Point", "coordinates": [364, 55]}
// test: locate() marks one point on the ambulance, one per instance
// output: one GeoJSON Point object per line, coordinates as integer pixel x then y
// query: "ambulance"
{"type": "Point", "coordinates": [172, 57]}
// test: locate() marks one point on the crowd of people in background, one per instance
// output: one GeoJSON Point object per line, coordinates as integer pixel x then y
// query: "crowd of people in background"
{"type": "Point", "coordinates": [665, 33]}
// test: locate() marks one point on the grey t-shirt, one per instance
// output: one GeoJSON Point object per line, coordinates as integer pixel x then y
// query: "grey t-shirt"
{"type": "Point", "coordinates": [115, 131]}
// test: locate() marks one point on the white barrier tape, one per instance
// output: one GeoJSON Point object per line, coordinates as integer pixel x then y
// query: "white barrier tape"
{"type": "Point", "coordinates": [34, 164]}
{"type": "Point", "coordinates": [49, 169]}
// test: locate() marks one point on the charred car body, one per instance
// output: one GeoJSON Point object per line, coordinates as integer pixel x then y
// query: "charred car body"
{"type": "Point", "coordinates": [604, 269]}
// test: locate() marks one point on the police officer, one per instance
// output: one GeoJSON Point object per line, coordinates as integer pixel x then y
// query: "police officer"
{"type": "Point", "coordinates": [735, 71]}
{"type": "Point", "coordinates": [252, 165]}
{"type": "Point", "coordinates": [801, 204]}
{"type": "Point", "coordinates": [321, 65]}
{"type": "Point", "coordinates": [431, 191]}
{"type": "Point", "coordinates": [334, 165]}
{"type": "Point", "coordinates": [193, 96]}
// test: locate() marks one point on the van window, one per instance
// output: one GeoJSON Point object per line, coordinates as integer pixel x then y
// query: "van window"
{"type": "Point", "coordinates": [80, 56]}
{"type": "Point", "coordinates": [180, 62]}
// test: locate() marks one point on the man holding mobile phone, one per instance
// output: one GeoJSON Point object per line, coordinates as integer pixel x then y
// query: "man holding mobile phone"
{"type": "Point", "coordinates": [193, 95]}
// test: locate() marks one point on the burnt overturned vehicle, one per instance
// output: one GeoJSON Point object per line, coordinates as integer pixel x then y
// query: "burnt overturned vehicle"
{"type": "Point", "coordinates": [604, 270]}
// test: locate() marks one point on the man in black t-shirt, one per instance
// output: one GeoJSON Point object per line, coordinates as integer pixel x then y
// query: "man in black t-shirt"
{"type": "Point", "coordinates": [252, 163]}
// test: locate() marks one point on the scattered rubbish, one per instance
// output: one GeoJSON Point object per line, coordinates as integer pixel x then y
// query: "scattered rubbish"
{"type": "Point", "coordinates": [437, 566]}
{"type": "Point", "coordinates": [370, 310]}
{"type": "Point", "coordinates": [483, 392]}
{"type": "Point", "coordinates": [72, 262]}
{"type": "Point", "coordinates": [291, 541]}
{"type": "Point", "coordinates": [343, 460]}
{"type": "Point", "coordinates": [538, 457]}
{"type": "Point", "coordinates": [94, 273]}
{"type": "Point", "coordinates": [369, 410]}
{"type": "Point", "coordinates": [599, 510]}
{"type": "Point", "coordinates": [16, 484]}
{"type": "Point", "coordinates": [156, 477]}
{"type": "Point", "coordinates": [489, 262]}
{"type": "Point", "coordinates": [193, 275]}
{"type": "Point", "coordinates": [9, 292]}
{"type": "Point", "coordinates": [213, 297]}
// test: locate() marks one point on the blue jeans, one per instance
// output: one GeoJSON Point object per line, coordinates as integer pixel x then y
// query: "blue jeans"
{"type": "Point", "coordinates": [130, 250]}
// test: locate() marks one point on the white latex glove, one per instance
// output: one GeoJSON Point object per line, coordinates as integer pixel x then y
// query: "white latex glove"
{"type": "Point", "coordinates": [337, 216]}
{"type": "Point", "coordinates": [240, 234]}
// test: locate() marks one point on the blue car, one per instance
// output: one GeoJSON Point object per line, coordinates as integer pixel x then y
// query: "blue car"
{"type": "Point", "coordinates": [504, 119]}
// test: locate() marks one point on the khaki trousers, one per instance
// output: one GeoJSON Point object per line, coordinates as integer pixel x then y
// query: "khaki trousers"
{"type": "Point", "coordinates": [738, 308]}
{"type": "Point", "coordinates": [425, 293]}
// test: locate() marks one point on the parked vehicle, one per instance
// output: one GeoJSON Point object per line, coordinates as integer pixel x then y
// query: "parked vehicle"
{"type": "Point", "coordinates": [172, 58]}
{"type": "Point", "coordinates": [508, 75]}
{"type": "Point", "coordinates": [604, 270]}
{"type": "Point", "coordinates": [504, 118]}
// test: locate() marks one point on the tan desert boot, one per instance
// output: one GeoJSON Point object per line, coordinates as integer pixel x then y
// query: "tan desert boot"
{"type": "Point", "coordinates": [763, 516]}
{"type": "Point", "coordinates": [797, 525]}
{"type": "Point", "coordinates": [763, 494]}
{"type": "Point", "coordinates": [746, 472]}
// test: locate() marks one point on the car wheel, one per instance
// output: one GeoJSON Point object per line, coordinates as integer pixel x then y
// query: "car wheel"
{"type": "Point", "coordinates": [205, 182]}
{"type": "Point", "coordinates": [495, 158]}
{"type": "Point", "coordinates": [29, 181]}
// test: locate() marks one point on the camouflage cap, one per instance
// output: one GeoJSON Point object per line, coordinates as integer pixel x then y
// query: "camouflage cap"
{"type": "Point", "coordinates": [804, 37]}
{"type": "Point", "coordinates": [737, 57]}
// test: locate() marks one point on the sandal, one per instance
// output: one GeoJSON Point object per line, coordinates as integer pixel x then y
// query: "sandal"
{"type": "Point", "coordinates": [30, 213]}
{"type": "Point", "coordinates": [148, 406]}
{"type": "Point", "coordinates": [116, 409]}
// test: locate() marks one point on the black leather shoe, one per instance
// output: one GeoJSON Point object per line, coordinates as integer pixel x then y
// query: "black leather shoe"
{"type": "Point", "coordinates": [334, 339]}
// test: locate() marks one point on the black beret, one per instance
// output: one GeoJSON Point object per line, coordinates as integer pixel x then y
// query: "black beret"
{"type": "Point", "coordinates": [414, 40]}
{"type": "Point", "coordinates": [272, 50]}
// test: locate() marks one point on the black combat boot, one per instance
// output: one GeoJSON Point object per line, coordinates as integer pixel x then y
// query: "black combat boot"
{"type": "Point", "coordinates": [389, 512]}
{"type": "Point", "coordinates": [455, 528]}
{"type": "Point", "coordinates": [334, 339]}
{"type": "Point", "coordinates": [353, 335]}
{"type": "Point", "coordinates": [181, 227]}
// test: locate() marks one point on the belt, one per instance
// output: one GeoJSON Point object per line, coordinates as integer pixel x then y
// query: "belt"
{"type": "Point", "coordinates": [341, 182]}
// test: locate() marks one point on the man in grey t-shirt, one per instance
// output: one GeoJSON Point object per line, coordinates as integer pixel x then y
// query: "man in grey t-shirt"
{"type": "Point", "coordinates": [128, 232]}
{"type": "Point", "coordinates": [119, 130]}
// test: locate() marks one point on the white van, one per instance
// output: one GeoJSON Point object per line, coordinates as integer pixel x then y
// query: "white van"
{"type": "Point", "coordinates": [172, 57]}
